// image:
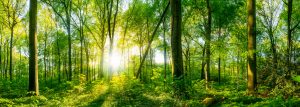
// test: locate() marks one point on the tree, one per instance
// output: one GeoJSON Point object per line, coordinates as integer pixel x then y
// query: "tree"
{"type": "Point", "coordinates": [1, 44]}
{"type": "Point", "coordinates": [207, 41]}
{"type": "Point", "coordinates": [269, 12]}
{"type": "Point", "coordinates": [33, 63]}
{"type": "Point", "coordinates": [176, 48]}
{"type": "Point", "coordinates": [251, 46]}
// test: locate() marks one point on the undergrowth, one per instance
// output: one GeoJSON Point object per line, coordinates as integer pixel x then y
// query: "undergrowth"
{"type": "Point", "coordinates": [125, 91]}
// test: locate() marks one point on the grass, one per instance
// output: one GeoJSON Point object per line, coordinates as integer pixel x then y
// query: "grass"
{"type": "Point", "coordinates": [123, 91]}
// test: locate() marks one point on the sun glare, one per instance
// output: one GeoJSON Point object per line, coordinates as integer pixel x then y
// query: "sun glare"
{"type": "Point", "coordinates": [115, 60]}
{"type": "Point", "coordinates": [159, 57]}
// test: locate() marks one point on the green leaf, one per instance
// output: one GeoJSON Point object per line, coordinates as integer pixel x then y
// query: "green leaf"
{"type": "Point", "coordinates": [296, 78]}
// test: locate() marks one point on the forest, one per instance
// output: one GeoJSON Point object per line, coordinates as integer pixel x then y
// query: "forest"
{"type": "Point", "coordinates": [150, 53]}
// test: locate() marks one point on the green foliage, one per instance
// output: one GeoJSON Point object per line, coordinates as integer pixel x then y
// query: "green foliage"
{"type": "Point", "coordinates": [134, 23]}
{"type": "Point", "coordinates": [296, 78]}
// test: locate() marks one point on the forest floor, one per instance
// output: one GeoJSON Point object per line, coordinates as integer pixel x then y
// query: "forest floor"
{"type": "Point", "coordinates": [121, 91]}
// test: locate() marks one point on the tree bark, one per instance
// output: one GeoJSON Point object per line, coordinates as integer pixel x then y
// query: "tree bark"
{"type": "Point", "coordinates": [176, 48]}
{"type": "Point", "coordinates": [33, 62]}
{"type": "Point", "coordinates": [251, 47]}
{"type": "Point", "coordinates": [68, 17]}
{"type": "Point", "coordinates": [289, 38]}
{"type": "Point", "coordinates": [59, 62]}
{"type": "Point", "coordinates": [10, 53]}
{"type": "Point", "coordinates": [7, 59]}
{"type": "Point", "coordinates": [1, 44]}
{"type": "Point", "coordinates": [165, 51]}
{"type": "Point", "coordinates": [45, 62]}
{"type": "Point", "coordinates": [102, 43]}
{"type": "Point", "coordinates": [208, 39]}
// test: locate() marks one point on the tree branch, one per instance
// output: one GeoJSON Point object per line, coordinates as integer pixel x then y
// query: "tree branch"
{"type": "Point", "coordinates": [151, 39]}
{"type": "Point", "coordinates": [295, 26]}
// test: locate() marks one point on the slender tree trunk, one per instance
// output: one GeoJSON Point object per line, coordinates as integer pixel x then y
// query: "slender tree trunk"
{"type": "Point", "coordinates": [87, 63]}
{"type": "Point", "coordinates": [45, 56]}
{"type": "Point", "coordinates": [289, 38]}
{"type": "Point", "coordinates": [50, 62]}
{"type": "Point", "coordinates": [251, 46]}
{"type": "Point", "coordinates": [203, 65]}
{"type": "Point", "coordinates": [33, 64]}
{"type": "Point", "coordinates": [1, 44]}
{"type": "Point", "coordinates": [219, 69]}
{"type": "Point", "coordinates": [59, 62]}
{"type": "Point", "coordinates": [224, 67]}
{"type": "Point", "coordinates": [19, 74]}
{"type": "Point", "coordinates": [7, 59]}
{"type": "Point", "coordinates": [81, 50]}
{"type": "Point", "coordinates": [219, 57]}
{"type": "Point", "coordinates": [102, 62]}
{"type": "Point", "coordinates": [176, 48]}
{"type": "Point", "coordinates": [68, 13]}
{"type": "Point", "coordinates": [141, 52]}
{"type": "Point", "coordinates": [75, 54]}
{"type": "Point", "coordinates": [165, 52]}
{"type": "Point", "coordinates": [10, 54]}
{"type": "Point", "coordinates": [81, 57]}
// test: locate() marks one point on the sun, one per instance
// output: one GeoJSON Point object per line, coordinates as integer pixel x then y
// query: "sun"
{"type": "Point", "coordinates": [115, 60]}
{"type": "Point", "coordinates": [159, 57]}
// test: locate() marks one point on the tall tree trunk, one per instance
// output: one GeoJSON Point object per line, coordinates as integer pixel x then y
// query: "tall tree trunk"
{"type": "Point", "coordinates": [219, 57]}
{"type": "Point", "coordinates": [87, 62]}
{"type": "Point", "coordinates": [81, 49]}
{"type": "Point", "coordinates": [224, 67]}
{"type": "Point", "coordinates": [208, 39]}
{"type": "Point", "coordinates": [177, 63]}
{"type": "Point", "coordinates": [219, 69]}
{"type": "Point", "coordinates": [68, 17]}
{"type": "Point", "coordinates": [165, 52]}
{"type": "Point", "coordinates": [33, 64]}
{"type": "Point", "coordinates": [75, 53]}
{"type": "Point", "coordinates": [45, 56]}
{"type": "Point", "coordinates": [10, 53]}
{"type": "Point", "coordinates": [1, 44]}
{"type": "Point", "coordinates": [289, 38]}
{"type": "Point", "coordinates": [7, 59]}
{"type": "Point", "coordinates": [59, 62]}
{"type": "Point", "coordinates": [65, 74]}
{"type": "Point", "coordinates": [251, 47]}
{"type": "Point", "coordinates": [141, 52]}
